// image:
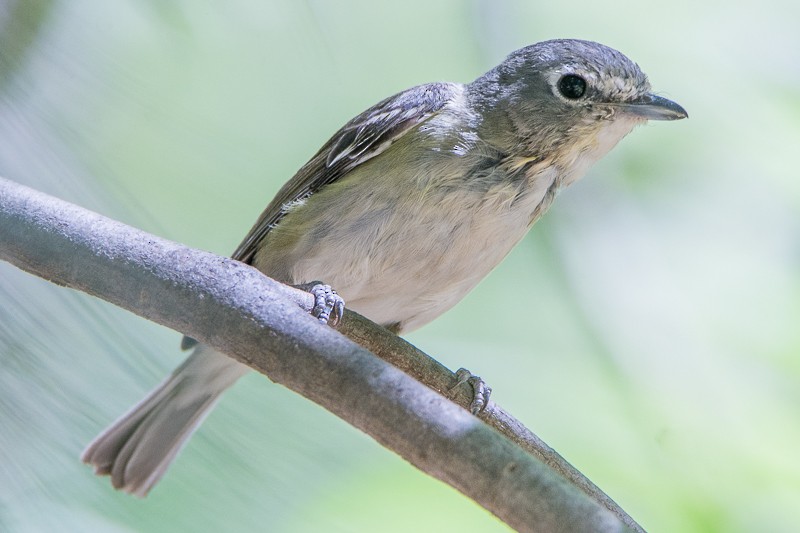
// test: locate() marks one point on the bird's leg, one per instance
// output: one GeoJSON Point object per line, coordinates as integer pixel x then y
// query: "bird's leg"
{"type": "Point", "coordinates": [480, 390]}
{"type": "Point", "coordinates": [328, 306]}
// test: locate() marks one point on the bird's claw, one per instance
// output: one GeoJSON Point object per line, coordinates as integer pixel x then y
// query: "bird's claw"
{"type": "Point", "coordinates": [480, 390]}
{"type": "Point", "coordinates": [328, 306]}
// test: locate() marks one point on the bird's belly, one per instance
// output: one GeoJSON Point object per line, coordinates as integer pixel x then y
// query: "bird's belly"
{"type": "Point", "coordinates": [403, 262]}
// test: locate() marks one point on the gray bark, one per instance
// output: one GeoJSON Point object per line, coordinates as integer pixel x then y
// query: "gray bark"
{"type": "Point", "coordinates": [234, 308]}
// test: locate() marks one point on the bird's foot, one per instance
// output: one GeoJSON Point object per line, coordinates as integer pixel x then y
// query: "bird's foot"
{"type": "Point", "coordinates": [328, 306]}
{"type": "Point", "coordinates": [480, 390]}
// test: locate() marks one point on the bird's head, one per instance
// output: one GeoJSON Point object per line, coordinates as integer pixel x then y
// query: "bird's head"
{"type": "Point", "coordinates": [567, 93]}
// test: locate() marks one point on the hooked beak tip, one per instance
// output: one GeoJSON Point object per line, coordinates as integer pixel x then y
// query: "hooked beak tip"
{"type": "Point", "coordinates": [653, 107]}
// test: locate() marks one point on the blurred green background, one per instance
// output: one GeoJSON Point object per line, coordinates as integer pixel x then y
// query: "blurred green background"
{"type": "Point", "coordinates": [647, 328]}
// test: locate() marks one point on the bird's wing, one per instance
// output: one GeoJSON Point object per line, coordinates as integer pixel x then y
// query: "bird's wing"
{"type": "Point", "coordinates": [361, 139]}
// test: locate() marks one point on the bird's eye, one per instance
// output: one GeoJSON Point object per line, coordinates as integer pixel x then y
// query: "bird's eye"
{"type": "Point", "coordinates": [572, 86]}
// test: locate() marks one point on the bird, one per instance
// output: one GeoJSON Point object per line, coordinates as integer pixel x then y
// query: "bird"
{"type": "Point", "coordinates": [404, 210]}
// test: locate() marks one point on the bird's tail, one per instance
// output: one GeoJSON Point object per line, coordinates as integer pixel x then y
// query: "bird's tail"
{"type": "Point", "coordinates": [138, 448]}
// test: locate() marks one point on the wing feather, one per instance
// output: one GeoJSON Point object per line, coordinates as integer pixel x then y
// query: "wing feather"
{"type": "Point", "coordinates": [361, 139]}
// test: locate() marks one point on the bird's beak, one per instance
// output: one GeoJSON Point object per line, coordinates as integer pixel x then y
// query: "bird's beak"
{"type": "Point", "coordinates": [652, 107]}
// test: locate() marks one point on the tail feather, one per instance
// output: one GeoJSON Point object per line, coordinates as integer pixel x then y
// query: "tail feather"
{"type": "Point", "coordinates": [138, 448]}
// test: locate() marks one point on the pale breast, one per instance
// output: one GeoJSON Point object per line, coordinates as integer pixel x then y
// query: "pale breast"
{"type": "Point", "coordinates": [403, 255]}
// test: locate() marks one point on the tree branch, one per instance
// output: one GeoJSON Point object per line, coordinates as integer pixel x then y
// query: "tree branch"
{"type": "Point", "coordinates": [264, 324]}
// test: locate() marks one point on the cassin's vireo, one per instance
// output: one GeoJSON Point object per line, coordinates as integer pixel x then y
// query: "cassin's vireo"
{"type": "Point", "coordinates": [406, 208]}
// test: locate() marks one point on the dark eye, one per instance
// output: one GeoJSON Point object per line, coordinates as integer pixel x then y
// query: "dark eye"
{"type": "Point", "coordinates": [572, 86]}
